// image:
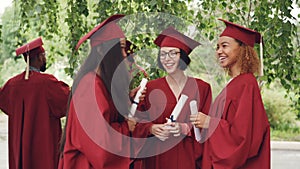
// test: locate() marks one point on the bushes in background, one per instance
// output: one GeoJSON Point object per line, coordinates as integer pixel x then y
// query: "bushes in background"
{"type": "Point", "coordinates": [282, 116]}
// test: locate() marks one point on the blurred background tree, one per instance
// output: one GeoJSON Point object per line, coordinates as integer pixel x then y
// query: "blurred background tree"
{"type": "Point", "coordinates": [62, 23]}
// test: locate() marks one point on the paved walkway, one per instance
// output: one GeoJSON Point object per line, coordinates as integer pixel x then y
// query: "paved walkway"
{"type": "Point", "coordinates": [3, 141]}
{"type": "Point", "coordinates": [284, 155]}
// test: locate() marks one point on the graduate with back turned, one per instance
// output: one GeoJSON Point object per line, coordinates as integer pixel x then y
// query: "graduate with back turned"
{"type": "Point", "coordinates": [34, 103]}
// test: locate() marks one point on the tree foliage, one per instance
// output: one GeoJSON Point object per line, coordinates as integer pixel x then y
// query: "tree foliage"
{"type": "Point", "coordinates": [64, 22]}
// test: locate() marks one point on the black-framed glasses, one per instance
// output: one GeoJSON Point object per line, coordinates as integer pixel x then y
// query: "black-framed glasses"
{"type": "Point", "coordinates": [172, 54]}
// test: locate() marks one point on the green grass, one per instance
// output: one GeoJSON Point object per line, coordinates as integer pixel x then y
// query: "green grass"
{"type": "Point", "coordinates": [291, 134]}
{"type": "Point", "coordinates": [288, 134]}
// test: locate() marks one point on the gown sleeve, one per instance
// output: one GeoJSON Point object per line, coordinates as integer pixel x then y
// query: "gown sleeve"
{"type": "Point", "coordinates": [4, 99]}
{"type": "Point", "coordinates": [207, 99]}
{"type": "Point", "coordinates": [94, 135]}
{"type": "Point", "coordinates": [240, 131]}
{"type": "Point", "coordinates": [109, 112]}
{"type": "Point", "coordinates": [141, 143]}
{"type": "Point", "coordinates": [143, 126]}
{"type": "Point", "coordinates": [57, 93]}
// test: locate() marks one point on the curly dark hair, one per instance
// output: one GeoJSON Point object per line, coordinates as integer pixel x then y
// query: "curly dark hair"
{"type": "Point", "coordinates": [247, 59]}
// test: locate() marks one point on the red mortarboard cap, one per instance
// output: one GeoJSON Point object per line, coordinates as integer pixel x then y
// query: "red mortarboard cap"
{"type": "Point", "coordinates": [245, 35]}
{"type": "Point", "coordinates": [106, 30]}
{"type": "Point", "coordinates": [172, 38]}
{"type": "Point", "coordinates": [32, 48]}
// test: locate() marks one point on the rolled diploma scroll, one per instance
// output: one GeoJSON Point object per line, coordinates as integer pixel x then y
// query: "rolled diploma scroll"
{"type": "Point", "coordinates": [178, 107]}
{"type": "Point", "coordinates": [136, 99]}
{"type": "Point", "coordinates": [194, 110]}
{"type": "Point", "coordinates": [176, 111]}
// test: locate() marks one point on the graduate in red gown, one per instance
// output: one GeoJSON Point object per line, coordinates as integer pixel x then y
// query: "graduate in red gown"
{"type": "Point", "coordinates": [171, 145]}
{"type": "Point", "coordinates": [34, 103]}
{"type": "Point", "coordinates": [97, 132]}
{"type": "Point", "coordinates": [239, 131]}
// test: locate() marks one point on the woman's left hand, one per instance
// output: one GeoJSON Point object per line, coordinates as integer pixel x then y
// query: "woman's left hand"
{"type": "Point", "coordinates": [178, 128]}
{"type": "Point", "coordinates": [200, 120]}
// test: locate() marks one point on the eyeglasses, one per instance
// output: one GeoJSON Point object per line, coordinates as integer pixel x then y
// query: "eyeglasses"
{"type": "Point", "coordinates": [172, 54]}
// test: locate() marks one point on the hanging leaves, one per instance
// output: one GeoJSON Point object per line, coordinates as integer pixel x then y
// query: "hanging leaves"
{"type": "Point", "coordinates": [272, 18]}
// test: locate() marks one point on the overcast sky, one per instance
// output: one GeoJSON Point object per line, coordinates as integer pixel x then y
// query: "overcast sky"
{"type": "Point", "coordinates": [4, 4]}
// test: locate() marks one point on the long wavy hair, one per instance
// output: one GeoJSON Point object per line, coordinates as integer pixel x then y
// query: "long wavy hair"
{"type": "Point", "coordinates": [106, 57]}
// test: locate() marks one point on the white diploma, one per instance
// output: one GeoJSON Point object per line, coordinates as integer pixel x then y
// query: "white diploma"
{"type": "Point", "coordinates": [136, 99]}
{"type": "Point", "coordinates": [177, 109]}
{"type": "Point", "coordinates": [194, 110]}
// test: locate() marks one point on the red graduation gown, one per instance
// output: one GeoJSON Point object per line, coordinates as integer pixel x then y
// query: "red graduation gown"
{"type": "Point", "coordinates": [34, 108]}
{"type": "Point", "coordinates": [94, 136]}
{"type": "Point", "coordinates": [176, 152]}
{"type": "Point", "coordinates": [239, 130]}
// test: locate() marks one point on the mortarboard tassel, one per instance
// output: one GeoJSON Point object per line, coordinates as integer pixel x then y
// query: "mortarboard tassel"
{"type": "Point", "coordinates": [27, 68]}
{"type": "Point", "coordinates": [27, 64]}
{"type": "Point", "coordinates": [261, 57]}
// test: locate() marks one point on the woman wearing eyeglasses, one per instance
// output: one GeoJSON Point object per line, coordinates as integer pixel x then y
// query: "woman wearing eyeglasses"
{"type": "Point", "coordinates": [171, 144]}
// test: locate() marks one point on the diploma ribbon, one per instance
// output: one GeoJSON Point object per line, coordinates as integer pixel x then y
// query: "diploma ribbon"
{"type": "Point", "coordinates": [172, 118]}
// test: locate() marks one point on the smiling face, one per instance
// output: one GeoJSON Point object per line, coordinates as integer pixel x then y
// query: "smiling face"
{"type": "Point", "coordinates": [228, 50]}
{"type": "Point", "coordinates": [169, 58]}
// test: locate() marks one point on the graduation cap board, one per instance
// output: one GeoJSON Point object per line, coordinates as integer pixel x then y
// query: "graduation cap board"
{"type": "Point", "coordinates": [105, 31]}
{"type": "Point", "coordinates": [30, 49]}
{"type": "Point", "coordinates": [245, 35]}
{"type": "Point", "coordinates": [170, 37]}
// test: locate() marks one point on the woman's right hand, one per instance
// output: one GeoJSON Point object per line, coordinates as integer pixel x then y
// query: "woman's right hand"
{"type": "Point", "coordinates": [134, 91]}
{"type": "Point", "coordinates": [131, 123]}
{"type": "Point", "coordinates": [160, 131]}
